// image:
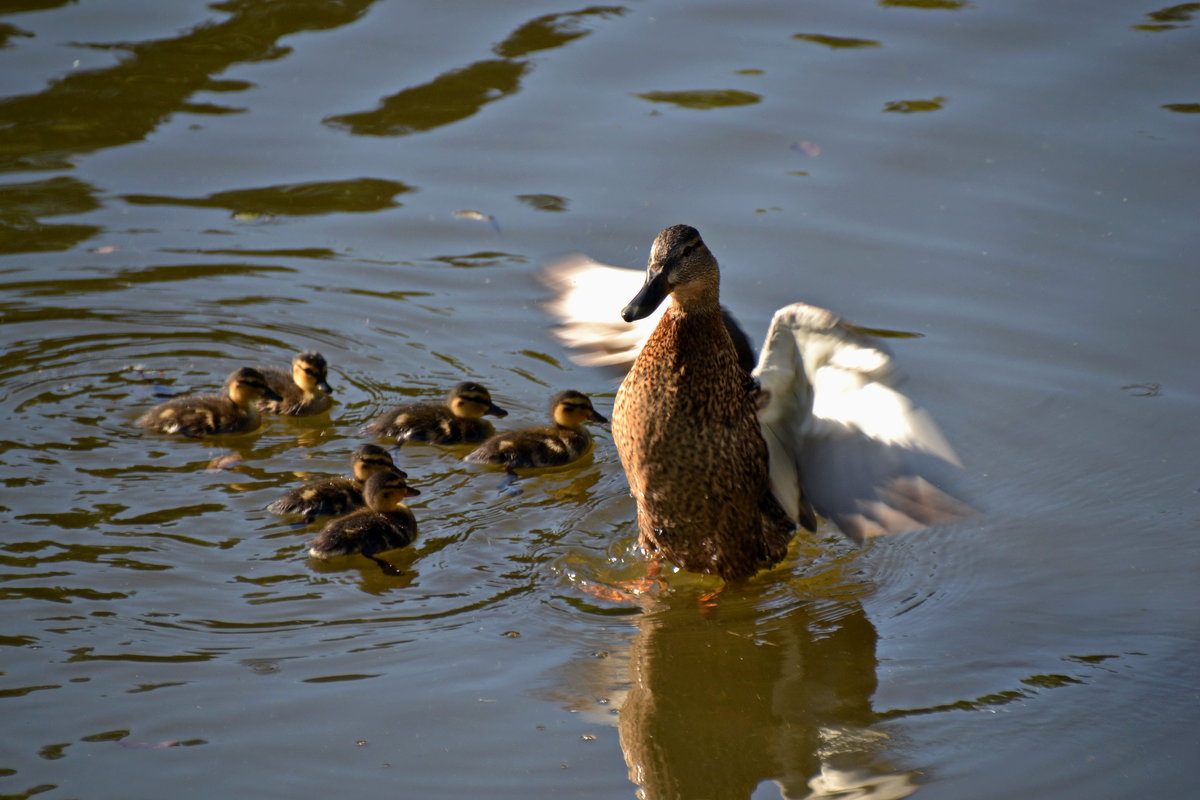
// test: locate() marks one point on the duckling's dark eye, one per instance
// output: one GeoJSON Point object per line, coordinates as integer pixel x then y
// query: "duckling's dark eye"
{"type": "Point", "coordinates": [687, 250]}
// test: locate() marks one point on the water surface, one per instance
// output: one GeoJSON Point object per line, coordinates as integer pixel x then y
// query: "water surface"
{"type": "Point", "coordinates": [188, 188]}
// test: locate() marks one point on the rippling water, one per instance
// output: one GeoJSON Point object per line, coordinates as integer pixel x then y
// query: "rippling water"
{"type": "Point", "coordinates": [188, 188]}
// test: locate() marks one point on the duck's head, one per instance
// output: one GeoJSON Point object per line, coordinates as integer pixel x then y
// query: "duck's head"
{"type": "Point", "coordinates": [387, 490]}
{"type": "Point", "coordinates": [246, 385]}
{"type": "Point", "coordinates": [571, 409]}
{"type": "Point", "coordinates": [681, 265]}
{"type": "Point", "coordinates": [309, 372]}
{"type": "Point", "coordinates": [371, 458]}
{"type": "Point", "coordinates": [471, 401]}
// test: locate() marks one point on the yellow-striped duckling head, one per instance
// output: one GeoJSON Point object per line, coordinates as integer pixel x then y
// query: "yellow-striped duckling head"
{"type": "Point", "coordinates": [571, 409]}
{"type": "Point", "coordinates": [310, 372]}
{"type": "Point", "coordinates": [470, 400]}
{"type": "Point", "coordinates": [369, 459]}
{"type": "Point", "coordinates": [246, 385]}
{"type": "Point", "coordinates": [386, 490]}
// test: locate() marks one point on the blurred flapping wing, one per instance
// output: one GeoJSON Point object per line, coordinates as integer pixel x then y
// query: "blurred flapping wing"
{"type": "Point", "coordinates": [836, 423]}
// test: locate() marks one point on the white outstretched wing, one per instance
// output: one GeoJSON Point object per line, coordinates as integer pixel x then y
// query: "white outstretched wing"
{"type": "Point", "coordinates": [586, 300]}
{"type": "Point", "coordinates": [835, 423]}
{"type": "Point", "coordinates": [833, 418]}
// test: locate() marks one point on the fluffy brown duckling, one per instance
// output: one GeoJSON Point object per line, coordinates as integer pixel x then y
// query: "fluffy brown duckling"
{"type": "Point", "coordinates": [209, 414]}
{"type": "Point", "coordinates": [458, 421]}
{"type": "Point", "coordinates": [545, 446]}
{"type": "Point", "coordinates": [303, 391]}
{"type": "Point", "coordinates": [385, 524]}
{"type": "Point", "coordinates": [336, 495]}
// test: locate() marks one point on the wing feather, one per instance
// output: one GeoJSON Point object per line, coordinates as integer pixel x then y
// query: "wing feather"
{"type": "Point", "coordinates": [586, 298]}
{"type": "Point", "coordinates": [837, 424]}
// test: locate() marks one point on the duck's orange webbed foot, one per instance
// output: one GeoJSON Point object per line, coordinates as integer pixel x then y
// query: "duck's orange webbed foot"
{"type": "Point", "coordinates": [635, 592]}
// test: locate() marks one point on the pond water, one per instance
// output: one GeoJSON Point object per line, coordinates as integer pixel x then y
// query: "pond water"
{"type": "Point", "coordinates": [191, 187]}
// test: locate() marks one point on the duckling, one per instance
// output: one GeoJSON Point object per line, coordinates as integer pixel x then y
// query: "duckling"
{"type": "Point", "coordinates": [725, 463]}
{"type": "Point", "coordinates": [546, 446]}
{"type": "Point", "coordinates": [336, 495]}
{"type": "Point", "coordinates": [458, 421]}
{"type": "Point", "coordinates": [208, 414]}
{"type": "Point", "coordinates": [385, 524]}
{"type": "Point", "coordinates": [304, 391]}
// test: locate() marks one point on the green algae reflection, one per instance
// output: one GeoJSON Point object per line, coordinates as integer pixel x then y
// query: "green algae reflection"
{"type": "Point", "coordinates": [703, 99]}
{"type": "Point", "coordinates": [836, 42]}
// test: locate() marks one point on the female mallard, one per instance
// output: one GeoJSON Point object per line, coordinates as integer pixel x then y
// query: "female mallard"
{"type": "Point", "coordinates": [458, 421]}
{"type": "Point", "coordinates": [385, 524]}
{"type": "Point", "coordinates": [336, 495]}
{"type": "Point", "coordinates": [546, 446]}
{"type": "Point", "coordinates": [303, 391]}
{"type": "Point", "coordinates": [209, 414]}
{"type": "Point", "coordinates": [715, 455]}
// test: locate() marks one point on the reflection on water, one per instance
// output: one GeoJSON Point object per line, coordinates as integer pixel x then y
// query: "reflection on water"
{"type": "Point", "coordinates": [462, 92]}
{"type": "Point", "coordinates": [1169, 18]}
{"type": "Point", "coordinates": [703, 99]}
{"type": "Point", "coordinates": [718, 706]}
{"type": "Point", "coordinates": [362, 195]}
{"type": "Point", "coordinates": [86, 111]}
{"type": "Point", "coordinates": [22, 205]}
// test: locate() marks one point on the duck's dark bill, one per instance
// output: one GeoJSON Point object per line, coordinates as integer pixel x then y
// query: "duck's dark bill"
{"type": "Point", "coordinates": [649, 298]}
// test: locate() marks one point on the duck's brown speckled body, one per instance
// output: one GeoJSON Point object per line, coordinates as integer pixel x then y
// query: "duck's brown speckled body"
{"type": "Point", "coordinates": [545, 446]}
{"type": "Point", "coordinates": [685, 426]}
{"type": "Point", "coordinates": [385, 524]}
{"type": "Point", "coordinates": [302, 390]}
{"type": "Point", "coordinates": [211, 414]}
{"type": "Point", "coordinates": [338, 495]}
{"type": "Point", "coordinates": [458, 421]}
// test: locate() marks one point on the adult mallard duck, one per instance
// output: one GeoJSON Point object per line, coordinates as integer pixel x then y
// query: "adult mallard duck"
{"type": "Point", "coordinates": [724, 463]}
{"type": "Point", "coordinates": [545, 446]}
{"type": "Point", "coordinates": [302, 391]}
{"type": "Point", "coordinates": [209, 414]}
{"type": "Point", "coordinates": [385, 524]}
{"type": "Point", "coordinates": [336, 495]}
{"type": "Point", "coordinates": [459, 420]}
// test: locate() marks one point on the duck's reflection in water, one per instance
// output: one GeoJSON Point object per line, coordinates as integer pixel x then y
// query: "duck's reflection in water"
{"type": "Point", "coordinates": [719, 706]}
